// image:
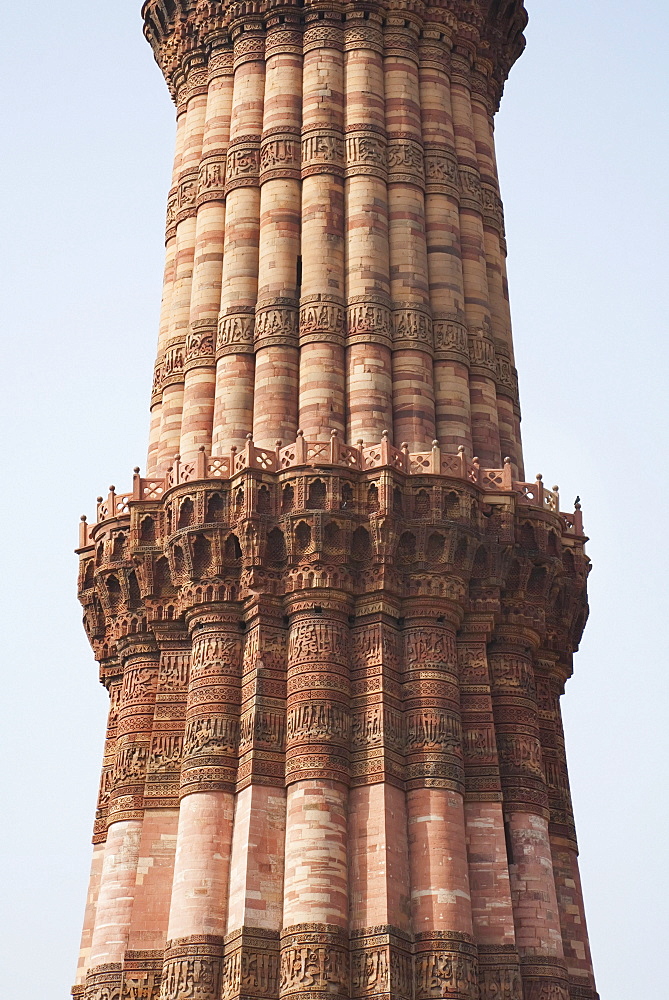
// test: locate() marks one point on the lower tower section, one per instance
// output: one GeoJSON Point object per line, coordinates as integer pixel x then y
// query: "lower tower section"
{"type": "Point", "coordinates": [335, 764]}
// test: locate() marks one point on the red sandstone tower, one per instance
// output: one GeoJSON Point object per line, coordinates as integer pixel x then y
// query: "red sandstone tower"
{"type": "Point", "coordinates": [333, 620]}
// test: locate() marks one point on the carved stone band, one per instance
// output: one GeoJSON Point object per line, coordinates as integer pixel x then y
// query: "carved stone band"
{"type": "Point", "coordinates": [507, 378]}
{"type": "Point", "coordinates": [499, 973]}
{"type": "Point", "coordinates": [470, 188]}
{"type": "Point", "coordinates": [193, 965]}
{"type": "Point", "coordinates": [323, 151]}
{"type": "Point", "coordinates": [327, 34]}
{"type": "Point", "coordinates": [363, 36]}
{"type": "Point", "coordinates": [450, 340]}
{"type": "Point", "coordinates": [243, 163]}
{"type": "Point", "coordinates": [186, 196]}
{"type": "Point", "coordinates": [251, 964]}
{"type": "Point", "coordinates": [282, 39]}
{"type": "Point", "coordinates": [235, 334]}
{"type": "Point", "coordinates": [365, 153]}
{"type": "Point", "coordinates": [173, 365]}
{"type": "Point", "coordinates": [405, 161]}
{"type": "Point", "coordinates": [412, 329]}
{"type": "Point", "coordinates": [544, 978]}
{"type": "Point", "coordinates": [249, 46]}
{"type": "Point", "coordinates": [482, 352]}
{"type": "Point", "coordinates": [441, 171]}
{"type": "Point", "coordinates": [314, 958]}
{"type": "Point", "coordinates": [220, 62]}
{"type": "Point", "coordinates": [381, 964]}
{"type": "Point", "coordinates": [491, 204]}
{"type": "Point", "coordinates": [445, 964]}
{"type": "Point", "coordinates": [211, 179]}
{"type": "Point", "coordinates": [280, 155]}
{"type": "Point", "coordinates": [276, 324]}
{"type": "Point", "coordinates": [200, 344]}
{"type": "Point", "coordinates": [369, 322]}
{"type": "Point", "coordinates": [322, 321]}
{"type": "Point", "coordinates": [104, 981]}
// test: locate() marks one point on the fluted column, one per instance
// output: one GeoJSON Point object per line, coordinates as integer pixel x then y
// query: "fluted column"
{"type": "Point", "coordinates": [445, 952]}
{"type": "Point", "coordinates": [235, 362]}
{"type": "Point", "coordinates": [114, 685]}
{"type": "Point", "coordinates": [199, 358]}
{"type": "Point", "coordinates": [151, 907]}
{"type": "Point", "coordinates": [413, 388]}
{"type": "Point", "coordinates": [369, 332]}
{"type": "Point", "coordinates": [194, 94]}
{"type": "Point", "coordinates": [322, 315]}
{"type": "Point", "coordinates": [276, 341]}
{"type": "Point", "coordinates": [482, 390]}
{"type": "Point", "coordinates": [166, 303]}
{"type": "Point", "coordinates": [315, 897]}
{"type": "Point", "coordinates": [255, 900]}
{"type": "Point", "coordinates": [495, 252]}
{"type": "Point", "coordinates": [442, 223]}
{"type": "Point", "coordinates": [380, 908]}
{"type": "Point", "coordinates": [551, 674]}
{"type": "Point", "coordinates": [535, 907]}
{"type": "Point", "coordinates": [198, 911]}
{"type": "Point", "coordinates": [492, 912]}
{"type": "Point", "coordinates": [118, 881]}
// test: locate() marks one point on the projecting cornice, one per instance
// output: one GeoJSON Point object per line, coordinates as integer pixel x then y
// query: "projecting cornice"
{"type": "Point", "coordinates": [489, 31]}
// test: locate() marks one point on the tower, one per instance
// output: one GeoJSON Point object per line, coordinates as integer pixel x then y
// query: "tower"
{"type": "Point", "coordinates": [333, 618]}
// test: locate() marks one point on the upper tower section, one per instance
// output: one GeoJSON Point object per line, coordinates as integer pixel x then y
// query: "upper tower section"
{"type": "Point", "coordinates": [335, 249]}
{"type": "Point", "coordinates": [492, 30]}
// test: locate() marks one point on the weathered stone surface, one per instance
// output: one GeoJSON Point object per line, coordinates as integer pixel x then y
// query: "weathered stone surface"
{"type": "Point", "coordinates": [334, 763]}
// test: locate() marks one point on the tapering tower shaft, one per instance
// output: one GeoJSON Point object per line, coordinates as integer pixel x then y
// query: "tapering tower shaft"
{"type": "Point", "coordinates": [335, 241]}
{"type": "Point", "coordinates": [333, 620]}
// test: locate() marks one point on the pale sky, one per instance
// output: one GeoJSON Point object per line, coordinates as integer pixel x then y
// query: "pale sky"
{"type": "Point", "coordinates": [583, 145]}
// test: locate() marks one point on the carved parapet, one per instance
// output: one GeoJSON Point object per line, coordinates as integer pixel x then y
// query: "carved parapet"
{"type": "Point", "coordinates": [329, 564]}
{"type": "Point", "coordinates": [257, 517]}
{"type": "Point", "coordinates": [337, 453]}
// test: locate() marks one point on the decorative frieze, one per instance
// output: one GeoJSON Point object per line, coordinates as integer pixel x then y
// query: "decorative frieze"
{"type": "Point", "coordinates": [322, 320]}
{"type": "Point", "coordinates": [276, 324]}
{"type": "Point", "coordinates": [200, 341]}
{"type": "Point", "coordinates": [242, 168]}
{"type": "Point", "coordinates": [445, 964]}
{"type": "Point", "coordinates": [192, 968]}
{"type": "Point", "coordinates": [442, 175]}
{"type": "Point", "coordinates": [366, 152]}
{"type": "Point", "coordinates": [211, 178]}
{"type": "Point", "coordinates": [323, 151]}
{"type": "Point", "coordinates": [451, 339]}
{"type": "Point", "coordinates": [381, 964]}
{"type": "Point", "coordinates": [412, 328]}
{"type": "Point", "coordinates": [280, 155]}
{"type": "Point", "coordinates": [235, 333]}
{"type": "Point", "coordinates": [405, 160]}
{"type": "Point", "coordinates": [368, 321]}
{"type": "Point", "coordinates": [315, 960]}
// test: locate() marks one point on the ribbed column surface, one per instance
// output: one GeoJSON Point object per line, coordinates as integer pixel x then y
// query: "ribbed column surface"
{"type": "Point", "coordinates": [335, 244]}
{"type": "Point", "coordinates": [333, 621]}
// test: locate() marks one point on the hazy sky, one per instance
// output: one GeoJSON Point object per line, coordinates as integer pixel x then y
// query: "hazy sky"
{"type": "Point", "coordinates": [583, 147]}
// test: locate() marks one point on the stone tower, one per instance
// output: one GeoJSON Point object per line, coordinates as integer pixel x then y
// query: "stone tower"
{"type": "Point", "coordinates": [333, 619]}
